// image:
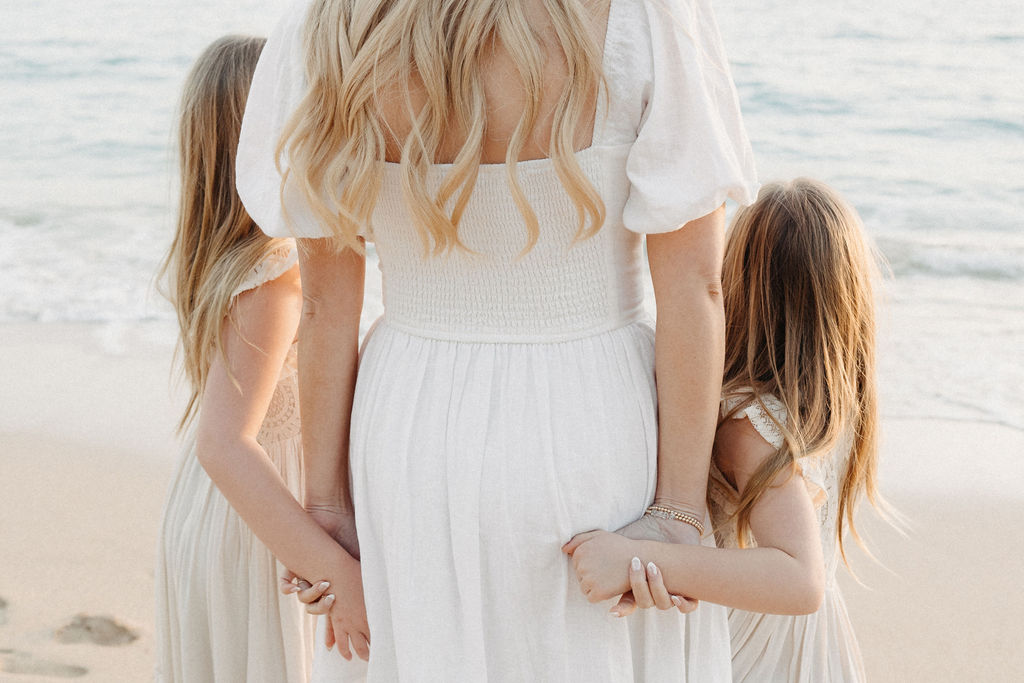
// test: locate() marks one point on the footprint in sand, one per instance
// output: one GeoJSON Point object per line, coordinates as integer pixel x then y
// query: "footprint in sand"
{"type": "Point", "coordinates": [15, 662]}
{"type": "Point", "coordinates": [96, 630]}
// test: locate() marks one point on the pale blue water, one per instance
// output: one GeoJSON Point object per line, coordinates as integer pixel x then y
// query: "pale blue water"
{"type": "Point", "coordinates": [913, 110]}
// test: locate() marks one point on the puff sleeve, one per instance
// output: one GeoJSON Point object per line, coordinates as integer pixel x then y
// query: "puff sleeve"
{"type": "Point", "coordinates": [278, 86]}
{"type": "Point", "coordinates": [691, 150]}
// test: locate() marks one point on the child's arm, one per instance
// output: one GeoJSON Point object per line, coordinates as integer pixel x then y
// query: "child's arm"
{"type": "Point", "coordinates": [783, 575]}
{"type": "Point", "coordinates": [265, 320]}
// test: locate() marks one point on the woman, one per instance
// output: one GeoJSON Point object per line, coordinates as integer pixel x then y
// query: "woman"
{"type": "Point", "coordinates": [505, 158]}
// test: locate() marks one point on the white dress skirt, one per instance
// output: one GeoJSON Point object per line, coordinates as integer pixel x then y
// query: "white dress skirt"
{"type": "Point", "coordinates": [506, 403]}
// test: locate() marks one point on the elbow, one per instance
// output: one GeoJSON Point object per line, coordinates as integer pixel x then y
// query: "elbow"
{"type": "Point", "coordinates": [701, 278]}
{"type": "Point", "coordinates": [329, 314]}
{"type": "Point", "coordinates": [711, 290]}
{"type": "Point", "coordinates": [311, 306]}
{"type": "Point", "coordinates": [697, 290]}
{"type": "Point", "coordinates": [809, 593]}
{"type": "Point", "coordinates": [211, 451]}
{"type": "Point", "coordinates": [809, 603]}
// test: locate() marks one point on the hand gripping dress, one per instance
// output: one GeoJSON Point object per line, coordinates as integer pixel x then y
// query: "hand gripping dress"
{"type": "Point", "coordinates": [219, 615]}
{"type": "Point", "coordinates": [505, 404]}
{"type": "Point", "coordinates": [781, 648]}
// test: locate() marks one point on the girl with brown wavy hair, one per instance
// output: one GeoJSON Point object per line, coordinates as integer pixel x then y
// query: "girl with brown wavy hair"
{"type": "Point", "coordinates": [232, 504]}
{"type": "Point", "coordinates": [796, 447]}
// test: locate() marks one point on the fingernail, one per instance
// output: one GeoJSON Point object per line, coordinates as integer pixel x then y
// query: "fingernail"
{"type": "Point", "coordinates": [323, 585]}
{"type": "Point", "coordinates": [291, 588]}
{"type": "Point", "coordinates": [652, 569]}
{"type": "Point", "coordinates": [617, 615]}
{"type": "Point", "coordinates": [637, 565]}
{"type": "Point", "coordinates": [329, 600]}
{"type": "Point", "coordinates": [677, 601]}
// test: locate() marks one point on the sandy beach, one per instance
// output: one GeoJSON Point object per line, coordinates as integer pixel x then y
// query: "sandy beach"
{"type": "Point", "coordinates": [87, 446]}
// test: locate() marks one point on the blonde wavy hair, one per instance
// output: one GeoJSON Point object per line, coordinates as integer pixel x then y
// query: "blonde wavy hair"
{"type": "Point", "coordinates": [800, 325]}
{"type": "Point", "coordinates": [215, 243]}
{"type": "Point", "coordinates": [429, 56]}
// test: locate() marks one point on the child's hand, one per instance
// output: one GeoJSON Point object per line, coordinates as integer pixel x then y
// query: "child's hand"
{"type": "Point", "coordinates": [314, 596]}
{"type": "Point", "coordinates": [601, 560]}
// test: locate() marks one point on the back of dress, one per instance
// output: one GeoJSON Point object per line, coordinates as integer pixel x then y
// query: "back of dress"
{"type": "Point", "coordinates": [506, 402]}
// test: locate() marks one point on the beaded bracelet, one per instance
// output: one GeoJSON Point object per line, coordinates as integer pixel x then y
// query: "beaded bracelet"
{"type": "Point", "coordinates": [663, 512]}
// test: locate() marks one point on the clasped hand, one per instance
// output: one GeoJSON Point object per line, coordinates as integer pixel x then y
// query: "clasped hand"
{"type": "Point", "coordinates": [609, 565]}
{"type": "Point", "coordinates": [339, 595]}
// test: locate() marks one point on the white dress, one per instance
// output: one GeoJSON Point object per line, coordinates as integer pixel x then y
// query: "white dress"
{"type": "Point", "coordinates": [504, 405]}
{"type": "Point", "coordinates": [219, 615]}
{"type": "Point", "coordinates": [778, 648]}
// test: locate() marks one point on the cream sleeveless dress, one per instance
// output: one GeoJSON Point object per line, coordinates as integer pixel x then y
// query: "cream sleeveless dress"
{"type": "Point", "coordinates": [219, 615]}
{"type": "Point", "coordinates": [505, 404]}
{"type": "Point", "coordinates": [776, 648]}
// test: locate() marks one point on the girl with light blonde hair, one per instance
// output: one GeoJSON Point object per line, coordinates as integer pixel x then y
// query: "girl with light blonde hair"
{"type": "Point", "coordinates": [796, 447]}
{"type": "Point", "coordinates": [233, 497]}
{"type": "Point", "coordinates": [506, 160]}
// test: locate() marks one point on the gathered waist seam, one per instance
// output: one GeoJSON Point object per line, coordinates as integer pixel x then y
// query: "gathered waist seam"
{"type": "Point", "coordinates": [505, 338]}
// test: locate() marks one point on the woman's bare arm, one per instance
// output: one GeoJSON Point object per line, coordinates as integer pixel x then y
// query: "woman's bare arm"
{"type": "Point", "coordinates": [332, 287]}
{"type": "Point", "coordinates": [689, 355]}
{"type": "Point", "coordinates": [689, 349]}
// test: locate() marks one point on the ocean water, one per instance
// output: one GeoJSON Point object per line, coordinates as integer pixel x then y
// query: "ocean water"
{"type": "Point", "coordinates": [912, 110]}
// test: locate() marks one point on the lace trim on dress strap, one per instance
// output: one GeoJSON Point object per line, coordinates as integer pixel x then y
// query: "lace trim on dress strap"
{"type": "Point", "coordinates": [276, 264]}
{"type": "Point", "coordinates": [761, 420]}
{"type": "Point", "coordinates": [812, 468]}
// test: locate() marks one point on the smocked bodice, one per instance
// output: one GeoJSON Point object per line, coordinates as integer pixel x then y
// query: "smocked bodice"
{"type": "Point", "coordinates": [563, 288]}
{"type": "Point", "coordinates": [668, 147]}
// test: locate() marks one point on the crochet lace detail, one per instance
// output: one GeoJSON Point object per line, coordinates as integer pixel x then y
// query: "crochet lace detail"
{"type": "Point", "coordinates": [762, 420]}
{"type": "Point", "coordinates": [282, 419]}
{"type": "Point", "coordinates": [273, 266]}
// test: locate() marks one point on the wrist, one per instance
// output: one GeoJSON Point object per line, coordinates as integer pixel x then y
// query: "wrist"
{"type": "Point", "coordinates": [337, 504]}
{"type": "Point", "coordinates": [682, 506]}
{"type": "Point", "coordinates": [676, 532]}
{"type": "Point", "coordinates": [341, 558]}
